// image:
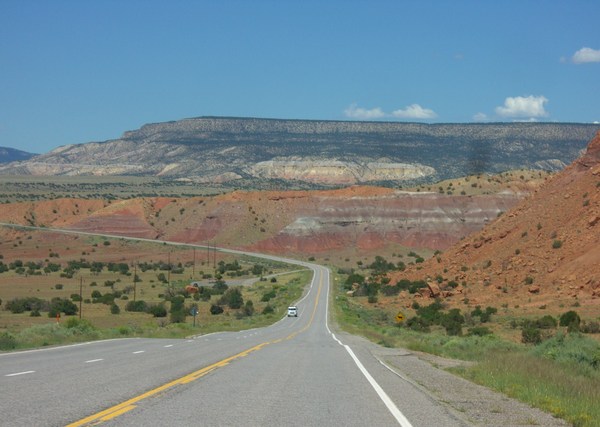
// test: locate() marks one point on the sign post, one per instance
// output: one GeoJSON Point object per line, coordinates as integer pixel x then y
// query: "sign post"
{"type": "Point", "coordinates": [194, 312]}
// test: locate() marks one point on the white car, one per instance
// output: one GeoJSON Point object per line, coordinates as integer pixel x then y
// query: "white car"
{"type": "Point", "coordinates": [292, 311]}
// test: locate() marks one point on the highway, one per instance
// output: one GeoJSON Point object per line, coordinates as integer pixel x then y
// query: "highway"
{"type": "Point", "coordinates": [295, 372]}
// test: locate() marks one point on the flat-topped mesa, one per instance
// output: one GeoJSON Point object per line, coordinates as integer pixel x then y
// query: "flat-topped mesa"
{"type": "Point", "coordinates": [249, 151]}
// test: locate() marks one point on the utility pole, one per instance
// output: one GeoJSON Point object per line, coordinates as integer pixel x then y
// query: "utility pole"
{"type": "Point", "coordinates": [194, 264]}
{"type": "Point", "coordinates": [80, 294]}
{"type": "Point", "coordinates": [134, 280]}
{"type": "Point", "coordinates": [208, 254]}
{"type": "Point", "coordinates": [169, 271]}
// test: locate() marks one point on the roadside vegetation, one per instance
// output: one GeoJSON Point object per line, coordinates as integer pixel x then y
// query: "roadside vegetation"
{"type": "Point", "coordinates": [549, 361]}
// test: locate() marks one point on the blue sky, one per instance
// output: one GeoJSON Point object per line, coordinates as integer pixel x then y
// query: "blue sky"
{"type": "Point", "coordinates": [79, 71]}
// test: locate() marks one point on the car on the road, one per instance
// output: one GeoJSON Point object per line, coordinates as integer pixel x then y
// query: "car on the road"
{"type": "Point", "coordinates": [292, 311]}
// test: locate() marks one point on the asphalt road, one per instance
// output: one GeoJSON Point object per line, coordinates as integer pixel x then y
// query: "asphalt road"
{"type": "Point", "coordinates": [295, 372]}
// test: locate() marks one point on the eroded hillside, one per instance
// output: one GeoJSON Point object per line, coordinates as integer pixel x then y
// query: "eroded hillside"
{"type": "Point", "coordinates": [355, 220]}
{"type": "Point", "coordinates": [544, 252]}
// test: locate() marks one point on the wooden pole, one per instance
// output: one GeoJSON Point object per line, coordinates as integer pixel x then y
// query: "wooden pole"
{"type": "Point", "coordinates": [80, 295]}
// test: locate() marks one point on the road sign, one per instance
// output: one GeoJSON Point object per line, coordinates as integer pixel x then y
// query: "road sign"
{"type": "Point", "coordinates": [399, 317]}
{"type": "Point", "coordinates": [194, 312]}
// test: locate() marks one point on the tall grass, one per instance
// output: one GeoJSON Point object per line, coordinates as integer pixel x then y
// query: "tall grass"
{"type": "Point", "coordinates": [561, 389]}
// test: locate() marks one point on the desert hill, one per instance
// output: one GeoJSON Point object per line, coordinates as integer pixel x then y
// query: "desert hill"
{"type": "Point", "coordinates": [543, 252]}
{"type": "Point", "coordinates": [346, 222]}
{"type": "Point", "coordinates": [247, 153]}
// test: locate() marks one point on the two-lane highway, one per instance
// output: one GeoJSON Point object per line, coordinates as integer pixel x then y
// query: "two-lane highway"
{"type": "Point", "coordinates": [295, 372]}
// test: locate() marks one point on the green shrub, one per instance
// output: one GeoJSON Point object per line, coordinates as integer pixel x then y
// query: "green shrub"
{"type": "Point", "coordinates": [216, 309]}
{"type": "Point", "coordinates": [571, 320]}
{"type": "Point", "coordinates": [233, 298]}
{"type": "Point", "coordinates": [114, 309]}
{"type": "Point", "coordinates": [219, 287]}
{"type": "Point", "coordinates": [139, 306]}
{"type": "Point", "coordinates": [546, 322]}
{"type": "Point", "coordinates": [432, 313]}
{"type": "Point", "coordinates": [79, 326]}
{"type": "Point", "coordinates": [269, 295]}
{"type": "Point", "coordinates": [268, 309]}
{"type": "Point", "coordinates": [418, 324]}
{"type": "Point", "coordinates": [158, 310]}
{"type": "Point", "coordinates": [62, 305]}
{"type": "Point", "coordinates": [572, 349]}
{"type": "Point", "coordinates": [20, 305]}
{"type": "Point", "coordinates": [249, 308]}
{"type": "Point", "coordinates": [7, 341]}
{"type": "Point", "coordinates": [453, 321]}
{"type": "Point", "coordinates": [531, 335]}
{"type": "Point", "coordinates": [178, 312]}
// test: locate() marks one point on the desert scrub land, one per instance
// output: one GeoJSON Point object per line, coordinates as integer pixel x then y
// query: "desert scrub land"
{"type": "Point", "coordinates": [31, 188]}
{"type": "Point", "coordinates": [57, 288]}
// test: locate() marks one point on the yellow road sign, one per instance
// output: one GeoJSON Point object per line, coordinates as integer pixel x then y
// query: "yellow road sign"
{"type": "Point", "coordinates": [399, 317]}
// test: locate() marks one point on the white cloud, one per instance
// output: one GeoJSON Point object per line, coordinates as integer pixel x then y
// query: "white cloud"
{"type": "Point", "coordinates": [414, 111]}
{"type": "Point", "coordinates": [355, 112]}
{"type": "Point", "coordinates": [586, 54]}
{"type": "Point", "coordinates": [523, 106]}
{"type": "Point", "coordinates": [480, 117]}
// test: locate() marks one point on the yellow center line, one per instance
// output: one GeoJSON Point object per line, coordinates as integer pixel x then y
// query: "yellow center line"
{"type": "Point", "coordinates": [128, 405]}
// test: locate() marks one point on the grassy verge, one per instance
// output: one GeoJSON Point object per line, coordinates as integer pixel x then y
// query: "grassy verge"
{"type": "Point", "coordinates": [560, 375]}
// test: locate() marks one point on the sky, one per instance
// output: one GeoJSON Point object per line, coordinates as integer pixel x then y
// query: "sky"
{"type": "Point", "coordinates": [79, 71]}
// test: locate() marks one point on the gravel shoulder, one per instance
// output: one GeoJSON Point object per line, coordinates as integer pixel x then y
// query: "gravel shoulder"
{"type": "Point", "coordinates": [471, 403]}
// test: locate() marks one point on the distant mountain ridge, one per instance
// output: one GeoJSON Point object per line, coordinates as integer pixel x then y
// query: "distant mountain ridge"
{"type": "Point", "coordinates": [8, 155]}
{"type": "Point", "coordinates": [247, 150]}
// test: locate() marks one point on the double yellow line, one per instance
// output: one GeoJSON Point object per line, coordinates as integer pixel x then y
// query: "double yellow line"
{"type": "Point", "coordinates": [130, 404]}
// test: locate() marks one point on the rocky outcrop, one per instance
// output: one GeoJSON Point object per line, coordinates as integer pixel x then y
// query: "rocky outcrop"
{"type": "Point", "coordinates": [338, 172]}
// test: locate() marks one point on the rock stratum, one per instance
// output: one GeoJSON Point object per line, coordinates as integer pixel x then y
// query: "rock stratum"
{"type": "Point", "coordinates": [355, 219]}
{"type": "Point", "coordinates": [244, 151]}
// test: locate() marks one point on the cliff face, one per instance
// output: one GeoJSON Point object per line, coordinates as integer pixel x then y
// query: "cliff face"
{"type": "Point", "coordinates": [317, 152]}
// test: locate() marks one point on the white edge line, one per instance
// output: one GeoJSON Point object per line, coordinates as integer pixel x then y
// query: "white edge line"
{"type": "Point", "coordinates": [94, 360]}
{"type": "Point", "coordinates": [19, 373]}
{"type": "Point", "coordinates": [389, 403]}
{"type": "Point", "coordinates": [59, 347]}
{"type": "Point", "coordinates": [139, 351]}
